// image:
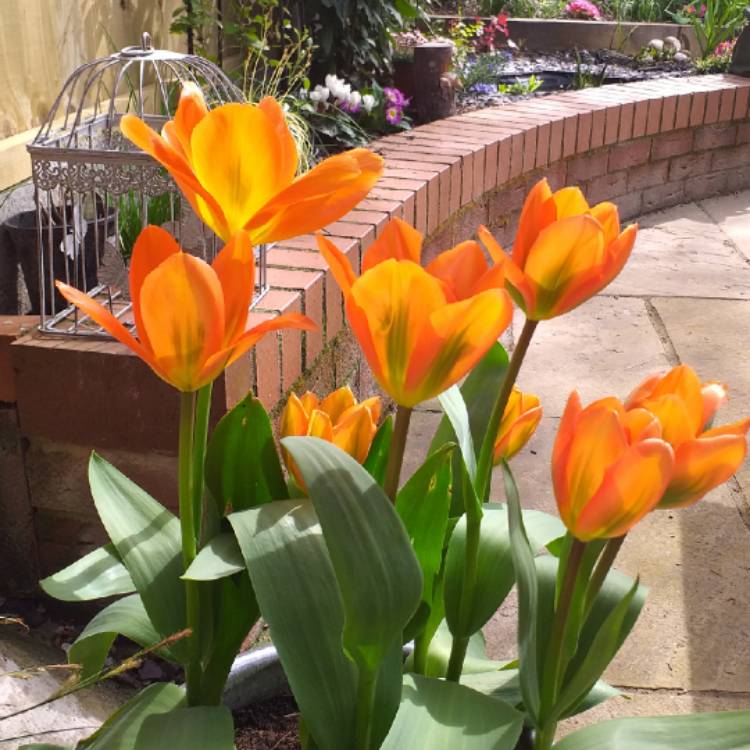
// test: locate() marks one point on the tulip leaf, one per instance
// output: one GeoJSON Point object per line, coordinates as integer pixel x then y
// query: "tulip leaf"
{"type": "Point", "coordinates": [455, 409]}
{"type": "Point", "coordinates": [495, 575]}
{"type": "Point", "coordinates": [444, 715]}
{"type": "Point", "coordinates": [45, 746]}
{"type": "Point", "coordinates": [478, 391]}
{"type": "Point", "coordinates": [219, 558]}
{"type": "Point", "coordinates": [423, 504]}
{"type": "Point", "coordinates": [296, 588]}
{"type": "Point", "coordinates": [525, 569]}
{"type": "Point", "coordinates": [195, 728]}
{"type": "Point", "coordinates": [376, 568]}
{"type": "Point", "coordinates": [242, 463]}
{"type": "Point", "coordinates": [725, 730]}
{"type": "Point", "coordinates": [123, 729]}
{"type": "Point", "coordinates": [377, 459]}
{"type": "Point", "coordinates": [95, 576]}
{"type": "Point", "coordinates": [126, 616]}
{"type": "Point", "coordinates": [148, 541]}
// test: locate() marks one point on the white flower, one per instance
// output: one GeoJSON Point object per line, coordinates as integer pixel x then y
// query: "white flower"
{"type": "Point", "coordinates": [368, 102]}
{"type": "Point", "coordinates": [319, 94]}
{"type": "Point", "coordinates": [303, 93]}
{"type": "Point", "coordinates": [332, 82]}
{"type": "Point", "coordinates": [354, 100]}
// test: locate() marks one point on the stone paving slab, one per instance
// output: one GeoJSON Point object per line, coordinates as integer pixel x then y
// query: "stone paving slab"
{"type": "Point", "coordinates": [730, 212]}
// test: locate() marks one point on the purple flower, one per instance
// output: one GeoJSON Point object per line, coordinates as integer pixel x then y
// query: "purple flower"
{"type": "Point", "coordinates": [393, 115]}
{"type": "Point", "coordinates": [484, 89]}
{"type": "Point", "coordinates": [395, 97]}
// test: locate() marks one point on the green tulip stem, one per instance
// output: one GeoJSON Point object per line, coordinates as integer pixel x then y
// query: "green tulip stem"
{"type": "Point", "coordinates": [366, 685]}
{"type": "Point", "coordinates": [484, 464]}
{"type": "Point", "coordinates": [189, 542]}
{"type": "Point", "coordinates": [200, 439]}
{"type": "Point", "coordinates": [601, 571]}
{"type": "Point", "coordinates": [396, 454]}
{"type": "Point", "coordinates": [553, 666]}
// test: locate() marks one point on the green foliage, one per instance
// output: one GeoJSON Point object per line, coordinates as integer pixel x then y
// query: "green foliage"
{"type": "Point", "coordinates": [159, 210]}
{"type": "Point", "coordinates": [721, 21]}
{"type": "Point", "coordinates": [527, 8]}
{"type": "Point", "coordinates": [521, 87]}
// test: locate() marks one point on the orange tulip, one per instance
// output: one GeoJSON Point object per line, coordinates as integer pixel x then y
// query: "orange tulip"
{"type": "Point", "coordinates": [564, 253]}
{"type": "Point", "coordinates": [338, 418]}
{"type": "Point", "coordinates": [520, 420]}
{"type": "Point", "coordinates": [236, 165]}
{"type": "Point", "coordinates": [419, 333]}
{"type": "Point", "coordinates": [190, 317]}
{"type": "Point", "coordinates": [609, 467]}
{"type": "Point", "coordinates": [705, 456]}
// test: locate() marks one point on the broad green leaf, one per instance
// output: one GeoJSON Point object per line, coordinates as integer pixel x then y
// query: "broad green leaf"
{"type": "Point", "coordinates": [423, 504]}
{"type": "Point", "coordinates": [726, 730]}
{"type": "Point", "coordinates": [242, 464]}
{"type": "Point", "coordinates": [126, 617]}
{"type": "Point", "coordinates": [377, 459]}
{"type": "Point", "coordinates": [528, 595]}
{"type": "Point", "coordinates": [443, 715]}
{"type": "Point", "coordinates": [604, 646]}
{"type": "Point", "coordinates": [96, 575]}
{"type": "Point", "coordinates": [219, 558]}
{"type": "Point", "coordinates": [455, 409]}
{"type": "Point", "coordinates": [495, 575]}
{"type": "Point", "coordinates": [478, 390]}
{"type": "Point", "coordinates": [505, 684]}
{"type": "Point", "coordinates": [195, 728]}
{"type": "Point", "coordinates": [122, 729]}
{"type": "Point", "coordinates": [377, 571]}
{"type": "Point", "coordinates": [38, 746]}
{"type": "Point", "coordinates": [439, 652]}
{"type": "Point", "coordinates": [147, 538]}
{"type": "Point", "coordinates": [296, 588]}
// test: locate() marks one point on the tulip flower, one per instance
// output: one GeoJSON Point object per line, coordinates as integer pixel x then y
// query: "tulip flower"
{"type": "Point", "coordinates": [338, 418]}
{"type": "Point", "coordinates": [190, 317]}
{"type": "Point", "coordinates": [419, 333]}
{"type": "Point", "coordinates": [519, 422]}
{"type": "Point", "coordinates": [236, 165]}
{"type": "Point", "coordinates": [565, 251]}
{"type": "Point", "coordinates": [609, 467]}
{"type": "Point", "coordinates": [705, 456]}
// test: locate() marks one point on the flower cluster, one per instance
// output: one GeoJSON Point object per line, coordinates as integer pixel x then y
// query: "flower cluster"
{"type": "Point", "coordinates": [395, 104]}
{"type": "Point", "coordinates": [725, 49]}
{"type": "Point", "coordinates": [583, 10]}
{"type": "Point", "coordinates": [404, 42]}
{"type": "Point", "coordinates": [339, 93]}
{"type": "Point", "coordinates": [487, 37]}
{"type": "Point", "coordinates": [692, 10]}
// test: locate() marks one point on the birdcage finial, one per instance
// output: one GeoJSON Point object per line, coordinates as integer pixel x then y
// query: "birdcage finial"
{"type": "Point", "coordinates": [146, 42]}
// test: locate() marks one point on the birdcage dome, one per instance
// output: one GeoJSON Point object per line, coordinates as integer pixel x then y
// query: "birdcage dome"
{"type": "Point", "coordinates": [95, 190]}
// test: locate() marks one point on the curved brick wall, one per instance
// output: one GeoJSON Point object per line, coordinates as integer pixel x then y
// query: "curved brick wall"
{"type": "Point", "coordinates": [645, 146]}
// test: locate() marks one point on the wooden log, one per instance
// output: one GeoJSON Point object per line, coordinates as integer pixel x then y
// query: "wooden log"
{"type": "Point", "coordinates": [435, 90]}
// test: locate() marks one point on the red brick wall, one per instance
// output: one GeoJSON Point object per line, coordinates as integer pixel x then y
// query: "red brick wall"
{"type": "Point", "coordinates": [645, 146]}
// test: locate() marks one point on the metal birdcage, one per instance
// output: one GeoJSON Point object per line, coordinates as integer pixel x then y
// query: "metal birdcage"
{"type": "Point", "coordinates": [95, 191]}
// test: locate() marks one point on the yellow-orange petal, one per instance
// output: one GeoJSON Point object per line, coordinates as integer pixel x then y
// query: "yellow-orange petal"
{"type": "Point", "coordinates": [683, 382]}
{"type": "Point", "coordinates": [314, 200]}
{"type": "Point", "coordinates": [287, 153]}
{"type": "Point", "coordinates": [152, 247]}
{"type": "Point", "coordinates": [309, 401]}
{"type": "Point", "coordinates": [253, 335]}
{"type": "Point", "coordinates": [537, 212]}
{"type": "Point", "coordinates": [399, 241]}
{"type": "Point", "coordinates": [339, 264]}
{"type": "Point", "coordinates": [516, 435]}
{"type": "Point", "coordinates": [493, 246]}
{"type": "Point", "coordinates": [337, 402]}
{"type": "Point", "coordinates": [294, 418]}
{"type": "Point", "coordinates": [374, 405]}
{"type": "Point", "coordinates": [461, 268]}
{"type": "Point", "coordinates": [642, 391]}
{"type": "Point", "coordinates": [714, 394]}
{"type": "Point", "coordinates": [672, 413]}
{"type": "Point", "coordinates": [701, 465]}
{"type": "Point", "coordinates": [234, 266]}
{"type": "Point", "coordinates": [630, 489]}
{"type": "Point", "coordinates": [740, 427]}
{"type": "Point", "coordinates": [606, 214]}
{"type": "Point", "coordinates": [191, 109]}
{"type": "Point", "coordinates": [320, 426]}
{"type": "Point", "coordinates": [565, 430]}
{"type": "Point", "coordinates": [354, 433]}
{"type": "Point", "coordinates": [182, 308]}
{"type": "Point", "coordinates": [641, 424]}
{"type": "Point", "coordinates": [457, 336]}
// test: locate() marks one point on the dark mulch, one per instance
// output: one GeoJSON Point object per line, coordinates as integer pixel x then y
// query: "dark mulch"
{"type": "Point", "coordinates": [271, 725]}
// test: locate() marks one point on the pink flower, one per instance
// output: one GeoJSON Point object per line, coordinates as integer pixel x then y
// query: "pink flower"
{"type": "Point", "coordinates": [393, 115]}
{"type": "Point", "coordinates": [583, 9]}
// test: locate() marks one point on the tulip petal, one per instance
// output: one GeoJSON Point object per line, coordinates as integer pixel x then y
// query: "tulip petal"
{"type": "Point", "coordinates": [735, 428]}
{"type": "Point", "coordinates": [398, 240]}
{"type": "Point", "coordinates": [714, 395]}
{"type": "Point", "coordinates": [684, 383]}
{"type": "Point", "coordinates": [235, 154]}
{"type": "Point", "coordinates": [337, 402]}
{"type": "Point", "coordinates": [191, 109]}
{"type": "Point", "coordinates": [287, 163]}
{"type": "Point", "coordinates": [631, 488]}
{"type": "Point", "coordinates": [182, 309]}
{"type": "Point", "coordinates": [641, 424]}
{"type": "Point", "coordinates": [317, 198]}
{"type": "Point", "coordinates": [235, 268]}
{"type": "Point", "coordinates": [517, 434]}
{"type": "Point", "coordinates": [493, 246]}
{"type": "Point", "coordinates": [537, 212]}
{"type": "Point", "coordinates": [461, 268]}
{"type": "Point", "coordinates": [294, 418]}
{"type": "Point", "coordinates": [374, 405]}
{"type": "Point", "coordinates": [673, 415]}
{"type": "Point", "coordinates": [354, 433]}
{"type": "Point", "coordinates": [103, 317]}
{"type": "Point", "coordinates": [569, 201]}
{"type": "Point", "coordinates": [457, 337]}
{"type": "Point", "coordinates": [309, 401]}
{"type": "Point", "coordinates": [607, 215]}
{"type": "Point", "coordinates": [701, 465]}
{"type": "Point", "coordinates": [320, 426]}
{"type": "Point", "coordinates": [152, 247]}
{"type": "Point", "coordinates": [642, 392]}
{"type": "Point", "coordinates": [565, 430]}
{"type": "Point", "coordinates": [339, 264]}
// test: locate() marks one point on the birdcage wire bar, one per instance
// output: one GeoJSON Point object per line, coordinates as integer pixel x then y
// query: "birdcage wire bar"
{"type": "Point", "coordinates": [94, 190]}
